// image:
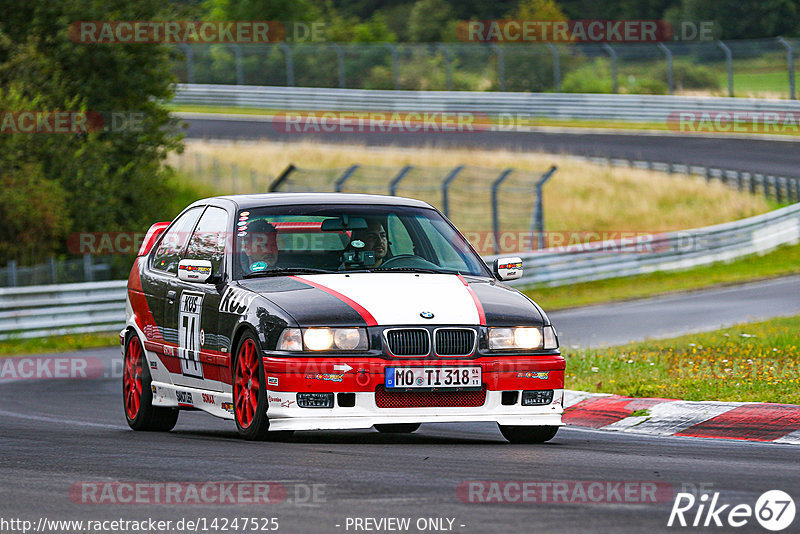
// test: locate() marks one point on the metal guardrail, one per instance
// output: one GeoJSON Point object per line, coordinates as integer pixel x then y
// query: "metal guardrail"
{"type": "Point", "coordinates": [90, 307]}
{"type": "Point", "coordinates": [666, 252]}
{"type": "Point", "coordinates": [39, 311]}
{"type": "Point", "coordinates": [632, 108]}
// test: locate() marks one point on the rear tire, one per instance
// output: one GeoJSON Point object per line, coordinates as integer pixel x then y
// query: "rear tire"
{"type": "Point", "coordinates": [397, 428]}
{"type": "Point", "coordinates": [528, 434]}
{"type": "Point", "coordinates": [137, 395]}
{"type": "Point", "coordinates": [250, 393]}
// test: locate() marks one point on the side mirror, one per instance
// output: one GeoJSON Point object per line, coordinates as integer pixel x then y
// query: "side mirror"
{"type": "Point", "coordinates": [194, 270]}
{"type": "Point", "coordinates": [507, 268]}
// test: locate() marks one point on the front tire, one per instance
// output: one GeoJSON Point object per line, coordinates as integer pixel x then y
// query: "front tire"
{"type": "Point", "coordinates": [250, 393]}
{"type": "Point", "coordinates": [397, 428]}
{"type": "Point", "coordinates": [137, 396]}
{"type": "Point", "coordinates": [528, 434]}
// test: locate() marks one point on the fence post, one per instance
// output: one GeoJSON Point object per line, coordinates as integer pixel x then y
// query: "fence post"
{"type": "Point", "coordinates": [670, 73]}
{"type": "Point", "coordinates": [755, 178]}
{"type": "Point", "coordinates": [448, 62]}
{"type": "Point", "coordinates": [495, 214]}
{"type": "Point", "coordinates": [343, 178]}
{"type": "Point", "coordinates": [12, 273]}
{"type": "Point", "coordinates": [729, 61]}
{"type": "Point", "coordinates": [708, 174]}
{"type": "Point", "coordinates": [613, 55]}
{"type": "Point", "coordinates": [446, 189]}
{"type": "Point", "coordinates": [537, 223]}
{"type": "Point", "coordinates": [88, 270]}
{"type": "Point", "coordinates": [779, 189]}
{"type": "Point", "coordinates": [281, 178]}
{"type": "Point", "coordinates": [770, 181]}
{"type": "Point", "coordinates": [556, 67]}
{"type": "Point", "coordinates": [398, 178]}
{"type": "Point", "coordinates": [340, 61]}
{"type": "Point", "coordinates": [790, 65]}
{"type": "Point", "coordinates": [189, 55]}
{"type": "Point", "coordinates": [395, 67]}
{"type": "Point", "coordinates": [287, 53]}
{"type": "Point", "coordinates": [237, 51]}
{"type": "Point", "coordinates": [501, 66]}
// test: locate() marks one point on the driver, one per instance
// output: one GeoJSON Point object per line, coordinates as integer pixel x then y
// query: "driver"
{"type": "Point", "coordinates": [373, 238]}
{"type": "Point", "coordinates": [259, 247]}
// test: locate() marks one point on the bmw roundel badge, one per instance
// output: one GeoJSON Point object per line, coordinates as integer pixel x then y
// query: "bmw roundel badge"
{"type": "Point", "coordinates": [426, 315]}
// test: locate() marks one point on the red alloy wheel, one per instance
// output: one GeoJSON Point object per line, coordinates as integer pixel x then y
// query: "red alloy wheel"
{"type": "Point", "coordinates": [133, 378]}
{"type": "Point", "coordinates": [246, 383]}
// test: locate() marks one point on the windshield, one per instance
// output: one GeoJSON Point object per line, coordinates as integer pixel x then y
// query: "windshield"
{"type": "Point", "coordinates": [319, 238]}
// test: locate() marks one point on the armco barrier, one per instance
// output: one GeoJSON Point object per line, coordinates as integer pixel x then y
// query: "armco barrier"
{"type": "Point", "coordinates": [38, 311]}
{"type": "Point", "coordinates": [633, 108]}
{"type": "Point", "coordinates": [99, 306]}
{"type": "Point", "coordinates": [666, 252]}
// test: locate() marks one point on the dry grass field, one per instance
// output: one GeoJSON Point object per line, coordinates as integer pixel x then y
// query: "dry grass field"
{"type": "Point", "coordinates": [580, 197]}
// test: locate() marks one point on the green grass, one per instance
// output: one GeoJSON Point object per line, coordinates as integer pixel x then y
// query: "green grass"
{"type": "Point", "coordinates": [783, 261]}
{"type": "Point", "coordinates": [71, 342]}
{"type": "Point", "coordinates": [758, 362]}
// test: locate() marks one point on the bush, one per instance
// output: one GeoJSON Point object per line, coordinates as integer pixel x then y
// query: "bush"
{"type": "Point", "coordinates": [593, 77]}
{"type": "Point", "coordinates": [688, 76]}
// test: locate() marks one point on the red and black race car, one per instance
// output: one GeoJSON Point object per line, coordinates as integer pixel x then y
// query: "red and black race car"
{"type": "Point", "coordinates": [310, 311]}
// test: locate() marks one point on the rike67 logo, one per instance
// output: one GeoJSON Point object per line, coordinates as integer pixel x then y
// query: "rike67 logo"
{"type": "Point", "coordinates": [774, 510]}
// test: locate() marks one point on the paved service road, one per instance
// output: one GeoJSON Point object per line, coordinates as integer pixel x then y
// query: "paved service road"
{"type": "Point", "coordinates": [673, 315]}
{"type": "Point", "coordinates": [55, 434]}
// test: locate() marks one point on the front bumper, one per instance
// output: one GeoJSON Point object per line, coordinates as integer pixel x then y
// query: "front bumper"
{"type": "Point", "coordinates": [362, 376]}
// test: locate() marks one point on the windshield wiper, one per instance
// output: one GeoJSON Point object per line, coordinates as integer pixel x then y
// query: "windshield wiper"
{"type": "Point", "coordinates": [283, 271]}
{"type": "Point", "coordinates": [416, 270]}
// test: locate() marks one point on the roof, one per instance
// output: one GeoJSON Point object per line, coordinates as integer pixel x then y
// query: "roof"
{"type": "Point", "coordinates": [277, 199]}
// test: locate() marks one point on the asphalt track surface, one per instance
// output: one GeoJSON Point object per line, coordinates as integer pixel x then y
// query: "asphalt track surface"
{"type": "Point", "coordinates": [780, 157]}
{"type": "Point", "coordinates": [56, 433]}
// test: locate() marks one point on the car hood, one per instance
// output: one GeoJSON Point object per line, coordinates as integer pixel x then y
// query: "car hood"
{"type": "Point", "coordinates": [374, 299]}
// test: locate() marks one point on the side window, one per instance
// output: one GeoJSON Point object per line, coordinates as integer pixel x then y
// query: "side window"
{"type": "Point", "coordinates": [208, 239]}
{"type": "Point", "coordinates": [400, 241]}
{"type": "Point", "coordinates": [447, 253]}
{"type": "Point", "coordinates": [171, 246]}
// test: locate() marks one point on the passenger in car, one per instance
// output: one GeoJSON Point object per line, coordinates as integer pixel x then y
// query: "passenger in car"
{"type": "Point", "coordinates": [373, 238]}
{"type": "Point", "coordinates": [259, 247]}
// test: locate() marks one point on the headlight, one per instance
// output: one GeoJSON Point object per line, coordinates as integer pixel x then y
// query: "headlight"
{"type": "Point", "coordinates": [521, 337]}
{"type": "Point", "coordinates": [321, 339]}
{"type": "Point", "coordinates": [291, 339]}
{"type": "Point", "coordinates": [318, 338]}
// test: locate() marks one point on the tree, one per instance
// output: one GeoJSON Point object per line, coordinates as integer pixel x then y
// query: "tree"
{"type": "Point", "coordinates": [102, 180]}
{"type": "Point", "coordinates": [429, 20]}
{"type": "Point", "coordinates": [745, 19]}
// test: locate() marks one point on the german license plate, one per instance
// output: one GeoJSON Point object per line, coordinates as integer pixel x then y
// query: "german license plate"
{"type": "Point", "coordinates": [433, 377]}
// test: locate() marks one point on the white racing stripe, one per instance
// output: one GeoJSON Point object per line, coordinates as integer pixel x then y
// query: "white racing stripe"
{"type": "Point", "coordinates": [399, 298]}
